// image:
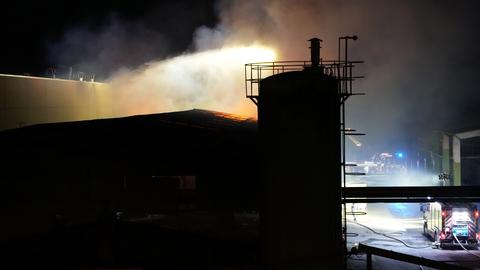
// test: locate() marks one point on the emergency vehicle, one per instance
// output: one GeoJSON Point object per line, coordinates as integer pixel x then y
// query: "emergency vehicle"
{"type": "Point", "coordinates": [381, 164]}
{"type": "Point", "coordinates": [443, 221]}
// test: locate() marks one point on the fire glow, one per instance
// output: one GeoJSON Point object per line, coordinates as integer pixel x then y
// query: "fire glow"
{"type": "Point", "coordinates": [211, 80]}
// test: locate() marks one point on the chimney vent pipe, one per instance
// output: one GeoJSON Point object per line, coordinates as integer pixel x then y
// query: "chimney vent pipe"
{"type": "Point", "coordinates": [315, 51]}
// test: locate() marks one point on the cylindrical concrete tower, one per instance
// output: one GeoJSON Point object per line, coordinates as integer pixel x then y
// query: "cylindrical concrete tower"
{"type": "Point", "coordinates": [299, 118]}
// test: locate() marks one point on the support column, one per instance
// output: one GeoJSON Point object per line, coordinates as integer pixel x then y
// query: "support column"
{"type": "Point", "coordinates": [446, 155]}
{"type": "Point", "coordinates": [369, 261]}
{"type": "Point", "coordinates": [457, 177]}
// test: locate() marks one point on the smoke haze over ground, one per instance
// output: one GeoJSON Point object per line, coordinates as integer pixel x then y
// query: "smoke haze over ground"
{"type": "Point", "coordinates": [421, 70]}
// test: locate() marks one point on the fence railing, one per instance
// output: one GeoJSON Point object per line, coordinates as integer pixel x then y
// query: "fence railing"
{"type": "Point", "coordinates": [340, 70]}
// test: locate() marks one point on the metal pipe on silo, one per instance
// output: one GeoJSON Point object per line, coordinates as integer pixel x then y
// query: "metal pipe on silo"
{"type": "Point", "coordinates": [315, 51]}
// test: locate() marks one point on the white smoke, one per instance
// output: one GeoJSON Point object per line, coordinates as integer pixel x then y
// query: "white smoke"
{"type": "Point", "coordinates": [211, 79]}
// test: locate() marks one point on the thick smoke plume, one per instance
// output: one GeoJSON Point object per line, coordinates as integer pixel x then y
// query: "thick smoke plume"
{"type": "Point", "coordinates": [209, 79]}
{"type": "Point", "coordinates": [419, 68]}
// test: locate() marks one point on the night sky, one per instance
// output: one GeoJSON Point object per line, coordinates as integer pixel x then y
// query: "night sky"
{"type": "Point", "coordinates": [422, 70]}
{"type": "Point", "coordinates": [31, 32]}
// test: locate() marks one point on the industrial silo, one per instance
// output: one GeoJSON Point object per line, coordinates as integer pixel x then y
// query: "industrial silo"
{"type": "Point", "coordinates": [300, 129]}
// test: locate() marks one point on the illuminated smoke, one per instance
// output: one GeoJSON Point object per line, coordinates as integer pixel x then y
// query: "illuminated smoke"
{"type": "Point", "coordinates": [210, 79]}
{"type": "Point", "coordinates": [414, 52]}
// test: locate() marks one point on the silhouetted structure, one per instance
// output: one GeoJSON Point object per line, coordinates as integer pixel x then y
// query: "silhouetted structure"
{"type": "Point", "coordinates": [159, 190]}
{"type": "Point", "coordinates": [301, 217]}
{"type": "Point", "coordinates": [130, 191]}
{"type": "Point", "coordinates": [315, 51]}
{"type": "Point", "coordinates": [301, 130]}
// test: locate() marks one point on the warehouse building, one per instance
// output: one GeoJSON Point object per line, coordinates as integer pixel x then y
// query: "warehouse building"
{"type": "Point", "coordinates": [26, 100]}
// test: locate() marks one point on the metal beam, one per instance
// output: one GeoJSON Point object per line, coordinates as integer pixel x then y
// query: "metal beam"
{"type": "Point", "coordinates": [409, 200]}
{"type": "Point", "coordinates": [468, 134]}
{"type": "Point", "coordinates": [411, 194]}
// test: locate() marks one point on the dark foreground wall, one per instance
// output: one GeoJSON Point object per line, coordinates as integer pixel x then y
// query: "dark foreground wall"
{"type": "Point", "coordinates": [80, 172]}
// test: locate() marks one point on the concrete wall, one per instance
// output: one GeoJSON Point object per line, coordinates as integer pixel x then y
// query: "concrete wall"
{"type": "Point", "coordinates": [33, 100]}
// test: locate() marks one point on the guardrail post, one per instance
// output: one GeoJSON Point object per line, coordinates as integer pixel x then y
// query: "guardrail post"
{"type": "Point", "coordinates": [369, 261]}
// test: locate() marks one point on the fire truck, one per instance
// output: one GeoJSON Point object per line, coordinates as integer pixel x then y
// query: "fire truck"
{"type": "Point", "coordinates": [443, 222]}
{"type": "Point", "coordinates": [381, 164]}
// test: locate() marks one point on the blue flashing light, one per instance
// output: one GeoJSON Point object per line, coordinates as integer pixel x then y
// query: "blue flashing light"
{"type": "Point", "coordinates": [399, 155]}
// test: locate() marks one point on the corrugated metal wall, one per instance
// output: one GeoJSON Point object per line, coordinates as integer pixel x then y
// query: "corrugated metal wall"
{"type": "Point", "coordinates": [33, 100]}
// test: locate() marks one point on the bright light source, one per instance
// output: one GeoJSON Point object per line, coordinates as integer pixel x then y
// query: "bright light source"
{"type": "Point", "coordinates": [210, 80]}
{"type": "Point", "coordinates": [399, 155]}
{"type": "Point", "coordinates": [252, 54]}
{"type": "Point", "coordinates": [460, 214]}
